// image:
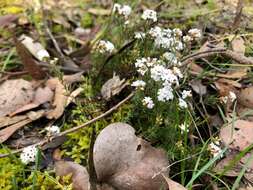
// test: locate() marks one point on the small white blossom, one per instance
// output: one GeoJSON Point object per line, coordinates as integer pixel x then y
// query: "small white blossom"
{"type": "Point", "coordinates": [215, 148]}
{"type": "Point", "coordinates": [171, 58]}
{"type": "Point", "coordinates": [182, 104]}
{"type": "Point", "coordinates": [141, 66]}
{"type": "Point", "coordinates": [165, 94]}
{"type": "Point", "coordinates": [177, 72]}
{"type": "Point", "coordinates": [178, 45]}
{"type": "Point", "coordinates": [28, 154]}
{"type": "Point", "coordinates": [184, 128]}
{"type": "Point", "coordinates": [177, 32]}
{"type": "Point", "coordinates": [53, 130]}
{"type": "Point", "coordinates": [139, 35]}
{"type": "Point", "coordinates": [194, 33]}
{"type": "Point", "coordinates": [186, 94]}
{"type": "Point", "coordinates": [104, 46]}
{"type": "Point", "coordinates": [232, 96]}
{"type": "Point", "coordinates": [155, 32]}
{"type": "Point", "coordinates": [139, 84]}
{"type": "Point", "coordinates": [124, 10]}
{"type": "Point", "coordinates": [187, 39]}
{"type": "Point", "coordinates": [148, 102]}
{"type": "Point", "coordinates": [149, 15]}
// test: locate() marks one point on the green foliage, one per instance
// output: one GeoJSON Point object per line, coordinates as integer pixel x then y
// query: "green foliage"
{"type": "Point", "coordinates": [86, 20]}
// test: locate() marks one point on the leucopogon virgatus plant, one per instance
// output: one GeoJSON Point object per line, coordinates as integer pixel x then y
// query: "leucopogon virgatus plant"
{"type": "Point", "coordinates": [152, 65]}
{"type": "Point", "coordinates": [162, 69]}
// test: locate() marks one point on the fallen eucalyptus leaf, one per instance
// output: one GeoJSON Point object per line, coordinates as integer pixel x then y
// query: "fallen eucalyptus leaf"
{"type": "Point", "coordinates": [237, 135]}
{"type": "Point", "coordinates": [14, 94]}
{"type": "Point", "coordinates": [126, 161]}
{"type": "Point", "coordinates": [112, 87]}
{"type": "Point", "coordinates": [80, 176]}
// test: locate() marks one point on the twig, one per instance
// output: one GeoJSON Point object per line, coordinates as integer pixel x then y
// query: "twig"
{"type": "Point", "coordinates": [44, 141]}
{"type": "Point", "coordinates": [238, 15]}
{"type": "Point", "coordinates": [228, 53]}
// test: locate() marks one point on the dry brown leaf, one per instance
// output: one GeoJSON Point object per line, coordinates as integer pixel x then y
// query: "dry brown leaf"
{"type": "Point", "coordinates": [5, 121]}
{"type": "Point", "coordinates": [195, 68]}
{"type": "Point", "coordinates": [238, 45]}
{"type": "Point", "coordinates": [8, 131]}
{"type": "Point", "coordinates": [29, 62]}
{"type": "Point", "coordinates": [198, 87]}
{"type": "Point", "coordinates": [127, 162]}
{"type": "Point", "coordinates": [112, 87]}
{"type": "Point", "coordinates": [69, 79]}
{"type": "Point", "coordinates": [237, 74]}
{"type": "Point", "coordinates": [234, 169]}
{"type": "Point", "coordinates": [14, 94]}
{"type": "Point", "coordinates": [237, 135]}
{"type": "Point", "coordinates": [224, 88]}
{"type": "Point", "coordinates": [6, 20]}
{"type": "Point", "coordinates": [80, 176]}
{"type": "Point", "coordinates": [60, 99]}
{"type": "Point", "coordinates": [173, 185]}
{"type": "Point", "coordinates": [245, 97]}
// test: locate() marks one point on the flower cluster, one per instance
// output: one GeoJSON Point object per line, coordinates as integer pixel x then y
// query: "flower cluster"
{"type": "Point", "coordinates": [124, 10]}
{"type": "Point", "coordinates": [104, 46]}
{"type": "Point", "coordinates": [193, 34]}
{"type": "Point", "coordinates": [139, 84]}
{"type": "Point", "coordinates": [148, 102]}
{"type": "Point", "coordinates": [167, 38]}
{"type": "Point", "coordinates": [28, 154]}
{"type": "Point", "coordinates": [52, 130]}
{"type": "Point", "coordinates": [165, 77]}
{"type": "Point", "coordinates": [149, 15]}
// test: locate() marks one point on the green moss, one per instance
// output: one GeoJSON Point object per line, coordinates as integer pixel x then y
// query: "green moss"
{"type": "Point", "coordinates": [86, 20]}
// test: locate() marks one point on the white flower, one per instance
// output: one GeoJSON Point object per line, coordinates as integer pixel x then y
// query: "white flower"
{"type": "Point", "coordinates": [178, 45]}
{"type": "Point", "coordinates": [139, 84]}
{"type": "Point", "coordinates": [139, 35]}
{"type": "Point", "coordinates": [155, 32]}
{"type": "Point", "coordinates": [149, 15]}
{"type": "Point", "coordinates": [28, 154]}
{"type": "Point", "coordinates": [116, 7]}
{"type": "Point", "coordinates": [187, 38]}
{"type": "Point", "coordinates": [160, 73]}
{"type": "Point", "coordinates": [141, 66]}
{"type": "Point", "coordinates": [195, 33]}
{"type": "Point", "coordinates": [165, 94]}
{"type": "Point", "coordinates": [215, 149]}
{"type": "Point", "coordinates": [150, 62]}
{"type": "Point", "coordinates": [232, 96]}
{"type": "Point", "coordinates": [53, 130]}
{"type": "Point", "coordinates": [148, 102]}
{"type": "Point", "coordinates": [42, 54]}
{"type": "Point", "coordinates": [177, 32]}
{"type": "Point", "coordinates": [184, 128]}
{"type": "Point", "coordinates": [177, 72]}
{"type": "Point", "coordinates": [124, 10]}
{"type": "Point", "coordinates": [171, 58]}
{"type": "Point", "coordinates": [104, 46]}
{"type": "Point", "coordinates": [182, 104]}
{"type": "Point", "coordinates": [186, 94]}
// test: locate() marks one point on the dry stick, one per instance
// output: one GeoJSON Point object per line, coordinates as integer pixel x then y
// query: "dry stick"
{"type": "Point", "coordinates": [238, 14]}
{"type": "Point", "coordinates": [44, 141]}
{"type": "Point", "coordinates": [228, 53]}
